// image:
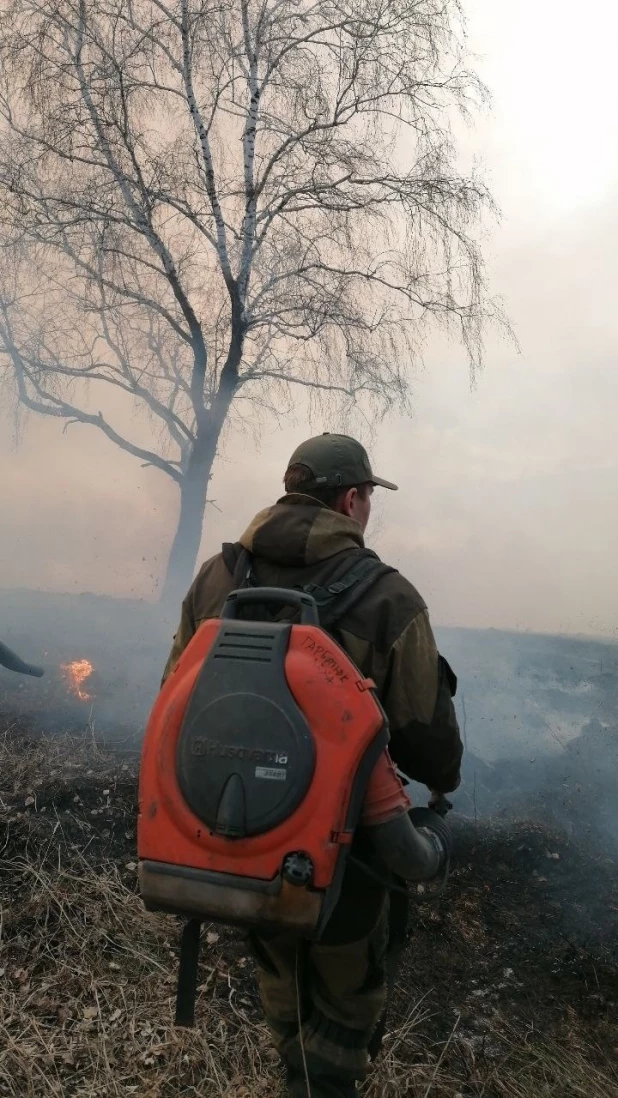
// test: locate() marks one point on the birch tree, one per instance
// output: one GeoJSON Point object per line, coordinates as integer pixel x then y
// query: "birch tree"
{"type": "Point", "coordinates": [206, 204]}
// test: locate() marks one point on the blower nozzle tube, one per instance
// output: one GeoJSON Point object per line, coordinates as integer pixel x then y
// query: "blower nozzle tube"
{"type": "Point", "coordinates": [415, 846]}
{"type": "Point", "coordinates": [12, 661]}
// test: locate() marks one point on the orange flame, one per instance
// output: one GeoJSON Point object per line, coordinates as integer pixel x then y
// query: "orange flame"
{"type": "Point", "coordinates": [75, 674]}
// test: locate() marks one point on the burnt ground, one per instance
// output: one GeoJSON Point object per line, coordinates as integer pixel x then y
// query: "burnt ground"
{"type": "Point", "coordinates": [509, 986]}
{"type": "Point", "coordinates": [527, 928]}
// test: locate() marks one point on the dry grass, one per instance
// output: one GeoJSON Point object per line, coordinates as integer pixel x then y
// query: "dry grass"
{"type": "Point", "coordinates": [88, 978]}
{"type": "Point", "coordinates": [88, 1010]}
{"type": "Point", "coordinates": [87, 996]}
{"type": "Point", "coordinates": [540, 1070]}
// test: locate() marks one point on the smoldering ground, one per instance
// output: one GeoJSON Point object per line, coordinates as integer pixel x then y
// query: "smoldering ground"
{"type": "Point", "coordinates": [509, 983]}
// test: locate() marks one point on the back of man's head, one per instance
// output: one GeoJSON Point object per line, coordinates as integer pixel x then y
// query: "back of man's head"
{"type": "Point", "coordinates": [297, 477]}
{"type": "Point", "coordinates": [324, 466]}
{"type": "Point", "coordinates": [334, 470]}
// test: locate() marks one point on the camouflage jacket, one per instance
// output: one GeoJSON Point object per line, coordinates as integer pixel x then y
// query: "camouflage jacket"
{"type": "Point", "coordinates": [387, 633]}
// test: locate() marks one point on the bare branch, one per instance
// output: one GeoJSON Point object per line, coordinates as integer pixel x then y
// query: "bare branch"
{"type": "Point", "coordinates": [50, 404]}
{"type": "Point", "coordinates": [204, 140]}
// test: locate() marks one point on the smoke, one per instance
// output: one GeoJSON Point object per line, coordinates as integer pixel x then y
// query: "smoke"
{"type": "Point", "coordinates": [538, 719]}
{"type": "Point", "coordinates": [537, 713]}
{"type": "Point", "coordinates": [503, 518]}
{"type": "Point", "coordinates": [503, 521]}
{"type": "Point", "coordinates": [126, 642]}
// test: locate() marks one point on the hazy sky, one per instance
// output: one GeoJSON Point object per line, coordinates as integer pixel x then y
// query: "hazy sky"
{"type": "Point", "coordinates": [507, 514]}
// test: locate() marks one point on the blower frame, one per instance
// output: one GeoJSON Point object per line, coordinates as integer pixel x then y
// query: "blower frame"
{"type": "Point", "coordinates": [288, 874]}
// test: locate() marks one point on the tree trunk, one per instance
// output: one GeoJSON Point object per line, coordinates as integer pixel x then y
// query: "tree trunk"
{"type": "Point", "coordinates": [186, 543]}
{"type": "Point", "coordinates": [193, 489]}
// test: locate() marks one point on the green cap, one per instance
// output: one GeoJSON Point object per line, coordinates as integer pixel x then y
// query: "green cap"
{"type": "Point", "coordinates": [336, 460]}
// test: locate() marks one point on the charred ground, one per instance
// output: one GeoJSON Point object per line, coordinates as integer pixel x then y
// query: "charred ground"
{"type": "Point", "coordinates": [509, 986]}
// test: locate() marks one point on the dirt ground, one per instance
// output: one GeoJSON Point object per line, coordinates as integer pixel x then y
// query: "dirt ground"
{"type": "Point", "coordinates": [508, 988]}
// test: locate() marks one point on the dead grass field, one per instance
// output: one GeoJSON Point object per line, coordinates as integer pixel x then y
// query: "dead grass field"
{"type": "Point", "coordinates": [87, 978]}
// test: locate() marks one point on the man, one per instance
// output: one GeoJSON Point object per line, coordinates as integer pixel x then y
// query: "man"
{"type": "Point", "coordinates": [337, 988]}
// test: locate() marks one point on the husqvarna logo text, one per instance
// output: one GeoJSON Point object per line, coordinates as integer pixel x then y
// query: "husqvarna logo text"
{"type": "Point", "coordinates": [213, 749]}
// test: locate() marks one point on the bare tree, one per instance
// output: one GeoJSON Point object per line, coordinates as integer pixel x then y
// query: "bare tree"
{"type": "Point", "coordinates": [202, 204]}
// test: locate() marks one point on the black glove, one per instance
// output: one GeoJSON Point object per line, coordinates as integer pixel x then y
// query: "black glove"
{"type": "Point", "coordinates": [430, 820]}
{"type": "Point", "coordinates": [440, 804]}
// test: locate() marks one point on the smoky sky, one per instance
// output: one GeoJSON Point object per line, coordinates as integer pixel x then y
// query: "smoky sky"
{"type": "Point", "coordinates": [506, 514]}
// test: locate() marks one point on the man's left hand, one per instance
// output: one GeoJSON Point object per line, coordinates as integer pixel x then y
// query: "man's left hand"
{"type": "Point", "coordinates": [439, 802]}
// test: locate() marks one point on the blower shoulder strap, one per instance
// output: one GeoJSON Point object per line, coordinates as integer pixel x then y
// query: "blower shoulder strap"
{"type": "Point", "coordinates": [350, 580]}
{"type": "Point", "coordinates": [354, 573]}
{"type": "Point", "coordinates": [239, 564]}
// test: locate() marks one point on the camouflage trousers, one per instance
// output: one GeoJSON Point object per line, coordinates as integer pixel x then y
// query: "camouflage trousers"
{"type": "Point", "coordinates": [339, 993]}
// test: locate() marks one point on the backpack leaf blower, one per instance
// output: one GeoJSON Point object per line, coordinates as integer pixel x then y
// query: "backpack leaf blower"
{"type": "Point", "coordinates": [262, 747]}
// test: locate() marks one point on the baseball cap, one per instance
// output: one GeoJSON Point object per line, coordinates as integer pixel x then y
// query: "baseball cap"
{"type": "Point", "coordinates": [336, 460]}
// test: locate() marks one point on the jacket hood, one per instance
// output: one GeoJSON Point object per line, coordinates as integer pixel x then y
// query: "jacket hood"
{"type": "Point", "coordinates": [298, 531]}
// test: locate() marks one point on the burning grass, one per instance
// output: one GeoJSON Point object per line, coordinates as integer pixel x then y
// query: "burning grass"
{"type": "Point", "coordinates": [76, 673]}
{"type": "Point", "coordinates": [86, 994]}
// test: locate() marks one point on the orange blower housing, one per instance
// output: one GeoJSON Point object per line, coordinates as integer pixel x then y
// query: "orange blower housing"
{"type": "Point", "coordinates": [256, 761]}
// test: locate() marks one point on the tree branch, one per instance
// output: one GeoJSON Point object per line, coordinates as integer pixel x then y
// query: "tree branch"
{"type": "Point", "coordinates": [51, 405]}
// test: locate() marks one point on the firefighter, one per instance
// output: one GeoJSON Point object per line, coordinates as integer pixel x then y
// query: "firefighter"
{"type": "Point", "coordinates": [337, 987]}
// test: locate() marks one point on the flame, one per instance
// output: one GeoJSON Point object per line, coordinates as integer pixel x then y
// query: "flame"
{"type": "Point", "coordinates": [75, 674]}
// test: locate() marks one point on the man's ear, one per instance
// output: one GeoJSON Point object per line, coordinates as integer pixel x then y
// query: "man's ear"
{"type": "Point", "coordinates": [347, 501]}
